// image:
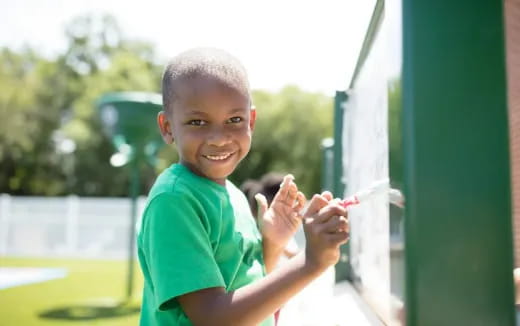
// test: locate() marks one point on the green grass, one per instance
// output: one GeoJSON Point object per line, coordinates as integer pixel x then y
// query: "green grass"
{"type": "Point", "coordinates": [88, 282]}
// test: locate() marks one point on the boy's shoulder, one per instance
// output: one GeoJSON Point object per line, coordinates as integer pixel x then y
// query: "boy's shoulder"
{"type": "Point", "coordinates": [171, 180]}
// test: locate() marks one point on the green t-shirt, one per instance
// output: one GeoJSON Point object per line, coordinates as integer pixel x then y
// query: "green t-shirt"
{"type": "Point", "coordinates": [194, 234]}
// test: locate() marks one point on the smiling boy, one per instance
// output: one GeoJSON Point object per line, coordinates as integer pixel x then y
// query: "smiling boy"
{"type": "Point", "coordinates": [203, 258]}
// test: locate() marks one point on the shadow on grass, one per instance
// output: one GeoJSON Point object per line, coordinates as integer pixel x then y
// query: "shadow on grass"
{"type": "Point", "coordinates": [91, 311]}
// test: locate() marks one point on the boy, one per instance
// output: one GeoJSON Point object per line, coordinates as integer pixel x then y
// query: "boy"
{"type": "Point", "coordinates": [203, 259]}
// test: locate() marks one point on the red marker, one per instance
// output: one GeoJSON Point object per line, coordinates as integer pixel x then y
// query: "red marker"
{"type": "Point", "coordinates": [379, 187]}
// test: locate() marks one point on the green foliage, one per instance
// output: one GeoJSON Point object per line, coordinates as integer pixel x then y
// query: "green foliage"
{"type": "Point", "coordinates": [45, 103]}
{"type": "Point", "coordinates": [395, 135]}
{"type": "Point", "coordinates": [289, 129]}
{"type": "Point", "coordinates": [51, 139]}
{"type": "Point", "coordinates": [28, 116]}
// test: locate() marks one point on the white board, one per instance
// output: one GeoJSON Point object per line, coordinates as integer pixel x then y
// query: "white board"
{"type": "Point", "coordinates": [365, 160]}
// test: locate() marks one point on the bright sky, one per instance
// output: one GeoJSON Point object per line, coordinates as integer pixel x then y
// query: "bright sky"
{"type": "Point", "coordinates": [312, 44]}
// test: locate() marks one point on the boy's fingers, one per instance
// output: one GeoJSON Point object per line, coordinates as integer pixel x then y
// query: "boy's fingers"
{"type": "Point", "coordinates": [285, 188]}
{"type": "Point", "coordinates": [292, 193]}
{"type": "Point", "coordinates": [327, 195]}
{"type": "Point", "coordinates": [317, 202]}
{"type": "Point", "coordinates": [338, 238]}
{"type": "Point", "coordinates": [261, 202]}
{"type": "Point", "coordinates": [300, 201]}
{"type": "Point", "coordinates": [336, 224]}
{"type": "Point", "coordinates": [328, 211]}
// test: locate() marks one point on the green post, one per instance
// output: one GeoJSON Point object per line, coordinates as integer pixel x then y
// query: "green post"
{"type": "Point", "coordinates": [339, 184]}
{"type": "Point", "coordinates": [458, 233]}
{"type": "Point", "coordinates": [134, 193]}
{"type": "Point", "coordinates": [327, 164]}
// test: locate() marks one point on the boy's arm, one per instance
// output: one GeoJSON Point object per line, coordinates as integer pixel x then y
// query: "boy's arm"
{"type": "Point", "coordinates": [272, 253]}
{"type": "Point", "coordinates": [326, 229]}
{"type": "Point", "coordinates": [250, 304]}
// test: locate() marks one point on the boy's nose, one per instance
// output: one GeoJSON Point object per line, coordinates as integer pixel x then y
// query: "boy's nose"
{"type": "Point", "coordinates": [219, 137]}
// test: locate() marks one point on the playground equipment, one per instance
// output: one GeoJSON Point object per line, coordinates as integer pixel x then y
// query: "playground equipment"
{"type": "Point", "coordinates": [129, 118]}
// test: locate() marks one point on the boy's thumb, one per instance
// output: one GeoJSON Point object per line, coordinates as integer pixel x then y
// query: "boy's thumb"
{"type": "Point", "coordinates": [261, 202]}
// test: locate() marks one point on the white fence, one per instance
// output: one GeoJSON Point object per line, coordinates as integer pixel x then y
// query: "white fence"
{"type": "Point", "coordinates": [70, 226]}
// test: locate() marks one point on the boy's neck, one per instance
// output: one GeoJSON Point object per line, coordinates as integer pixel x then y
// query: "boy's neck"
{"type": "Point", "coordinates": [221, 182]}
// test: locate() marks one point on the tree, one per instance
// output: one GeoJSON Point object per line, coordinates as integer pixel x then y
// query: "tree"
{"type": "Point", "coordinates": [106, 62]}
{"type": "Point", "coordinates": [47, 104]}
{"type": "Point", "coordinates": [52, 141]}
{"type": "Point", "coordinates": [28, 116]}
{"type": "Point", "coordinates": [287, 138]}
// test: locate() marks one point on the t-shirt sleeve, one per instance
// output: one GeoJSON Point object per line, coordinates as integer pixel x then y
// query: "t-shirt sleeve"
{"type": "Point", "coordinates": [177, 249]}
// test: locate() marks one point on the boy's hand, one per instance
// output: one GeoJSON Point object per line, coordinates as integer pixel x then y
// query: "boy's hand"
{"type": "Point", "coordinates": [279, 222]}
{"type": "Point", "coordinates": [326, 229]}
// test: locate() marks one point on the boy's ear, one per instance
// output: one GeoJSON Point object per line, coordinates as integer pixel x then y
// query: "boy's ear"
{"type": "Point", "coordinates": [252, 117]}
{"type": "Point", "coordinates": [165, 127]}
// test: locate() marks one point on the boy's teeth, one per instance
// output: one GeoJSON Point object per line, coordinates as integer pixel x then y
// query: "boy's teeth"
{"type": "Point", "coordinates": [218, 157]}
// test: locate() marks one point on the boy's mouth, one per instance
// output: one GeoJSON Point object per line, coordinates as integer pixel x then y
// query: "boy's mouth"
{"type": "Point", "coordinates": [220, 157]}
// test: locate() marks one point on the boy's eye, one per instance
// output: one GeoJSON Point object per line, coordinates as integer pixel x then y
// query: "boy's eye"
{"type": "Point", "coordinates": [196, 122]}
{"type": "Point", "coordinates": [236, 119]}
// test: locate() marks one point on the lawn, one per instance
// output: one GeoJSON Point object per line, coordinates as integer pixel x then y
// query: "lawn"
{"type": "Point", "coordinates": [88, 295]}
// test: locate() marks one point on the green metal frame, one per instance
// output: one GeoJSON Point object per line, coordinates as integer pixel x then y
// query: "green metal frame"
{"type": "Point", "coordinates": [373, 27]}
{"type": "Point", "coordinates": [458, 232]}
{"type": "Point", "coordinates": [449, 153]}
{"type": "Point", "coordinates": [338, 185]}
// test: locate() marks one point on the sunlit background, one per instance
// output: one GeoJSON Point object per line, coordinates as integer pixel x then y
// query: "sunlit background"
{"type": "Point", "coordinates": [311, 44]}
{"type": "Point", "coordinates": [347, 92]}
{"type": "Point", "coordinates": [64, 212]}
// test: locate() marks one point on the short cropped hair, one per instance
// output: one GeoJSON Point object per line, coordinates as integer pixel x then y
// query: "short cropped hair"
{"type": "Point", "coordinates": [203, 62]}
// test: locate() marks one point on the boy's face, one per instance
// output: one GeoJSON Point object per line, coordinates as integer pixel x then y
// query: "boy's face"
{"type": "Point", "coordinates": [211, 124]}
